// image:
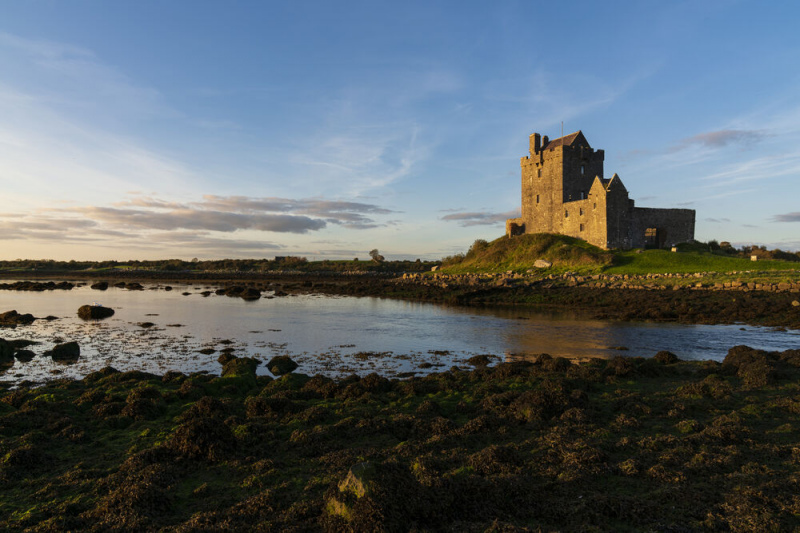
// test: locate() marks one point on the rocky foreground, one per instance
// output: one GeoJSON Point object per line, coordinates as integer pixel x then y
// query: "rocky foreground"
{"type": "Point", "coordinates": [628, 444]}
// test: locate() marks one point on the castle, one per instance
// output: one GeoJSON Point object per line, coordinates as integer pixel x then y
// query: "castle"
{"type": "Point", "coordinates": [564, 191]}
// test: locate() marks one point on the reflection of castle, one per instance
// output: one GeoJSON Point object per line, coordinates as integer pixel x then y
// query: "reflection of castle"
{"type": "Point", "coordinates": [563, 191]}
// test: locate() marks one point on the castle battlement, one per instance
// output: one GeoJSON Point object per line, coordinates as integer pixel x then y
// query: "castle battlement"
{"type": "Point", "coordinates": [564, 191]}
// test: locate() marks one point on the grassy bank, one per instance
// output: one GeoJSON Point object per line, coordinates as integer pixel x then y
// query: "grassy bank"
{"type": "Point", "coordinates": [519, 254]}
{"type": "Point", "coordinates": [623, 445]}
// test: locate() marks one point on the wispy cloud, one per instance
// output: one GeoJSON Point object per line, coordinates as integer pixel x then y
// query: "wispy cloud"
{"type": "Point", "coordinates": [480, 218]}
{"type": "Point", "coordinates": [720, 139]}
{"type": "Point", "coordinates": [787, 217]}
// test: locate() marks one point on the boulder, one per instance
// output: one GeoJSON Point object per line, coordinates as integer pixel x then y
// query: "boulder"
{"type": "Point", "coordinates": [541, 263]}
{"type": "Point", "coordinates": [100, 285]}
{"type": "Point", "coordinates": [89, 312]}
{"type": "Point", "coordinates": [250, 294]}
{"type": "Point", "coordinates": [67, 352]}
{"type": "Point", "coordinates": [281, 364]}
{"type": "Point", "coordinates": [666, 358]}
{"type": "Point", "coordinates": [13, 319]}
{"type": "Point", "coordinates": [24, 356]}
{"type": "Point", "coordinates": [6, 352]}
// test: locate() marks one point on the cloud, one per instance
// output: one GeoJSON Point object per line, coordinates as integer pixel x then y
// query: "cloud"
{"type": "Point", "coordinates": [231, 213]}
{"type": "Point", "coordinates": [720, 139]}
{"type": "Point", "coordinates": [201, 219]}
{"type": "Point", "coordinates": [466, 219]}
{"type": "Point", "coordinates": [145, 215]}
{"type": "Point", "coordinates": [718, 220]}
{"type": "Point", "coordinates": [787, 217]}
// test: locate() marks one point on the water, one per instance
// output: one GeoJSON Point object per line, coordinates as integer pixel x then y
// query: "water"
{"type": "Point", "coordinates": [333, 335]}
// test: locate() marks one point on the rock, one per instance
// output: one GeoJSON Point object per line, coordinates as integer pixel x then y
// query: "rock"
{"type": "Point", "coordinates": [250, 294]}
{"type": "Point", "coordinates": [434, 268]}
{"type": "Point", "coordinates": [6, 352]}
{"type": "Point", "coordinates": [246, 293]}
{"type": "Point", "coordinates": [281, 364]}
{"type": "Point", "coordinates": [90, 312]}
{"type": "Point", "coordinates": [479, 360]}
{"type": "Point", "coordinates": [795, 303]}
{"type": "Point", "coordinates": [100, 286]}
{"type": "Point", "coordinates": [134, 286]}
{"type": "Point", "coordinates": [358, 479]}
{"type": "Point", "coordinates": [24, 356]}
{"type": "Point", "coordinates": [541, 263]}
{"type": "Point", "coordinates": [666, 358]}
{"type": "Point", "coordinates": [13, 319]}
{"type": "Point", "coordinates": [67, 352]}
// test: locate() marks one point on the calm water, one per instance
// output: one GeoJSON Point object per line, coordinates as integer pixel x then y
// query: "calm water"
{"type": "Point", "coordinates": [333, 335]}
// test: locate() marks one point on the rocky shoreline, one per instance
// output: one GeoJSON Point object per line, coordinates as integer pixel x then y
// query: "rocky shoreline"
{"type": "Point", "coordinates": [627, 444]}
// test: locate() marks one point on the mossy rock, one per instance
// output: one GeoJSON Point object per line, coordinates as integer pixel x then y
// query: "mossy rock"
{"type": "Point", "coordinates": [281, 364]}
{"type": "Point", "coordinates": [240, 366]}
{"type": "Point", "coordinates": [666, 358]}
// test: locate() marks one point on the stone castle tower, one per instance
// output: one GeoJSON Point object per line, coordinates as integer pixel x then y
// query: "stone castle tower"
{"type": "Point", "coordinates": [564, 191]}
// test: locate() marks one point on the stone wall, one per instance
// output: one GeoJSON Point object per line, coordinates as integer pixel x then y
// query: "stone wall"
{"type": "Point", "coordinates": [674, 225]}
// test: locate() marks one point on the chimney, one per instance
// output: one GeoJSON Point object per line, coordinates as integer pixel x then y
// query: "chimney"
{"type": "Point", "coordinates": [545, 141]}
{"type": "Point", "coordinates": [536, 143]}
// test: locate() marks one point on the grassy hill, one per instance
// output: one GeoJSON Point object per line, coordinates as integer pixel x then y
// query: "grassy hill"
{"type": "Point", "coordinates": [566, 253]}
{"type": "Point", "coordinates": [520, 254]}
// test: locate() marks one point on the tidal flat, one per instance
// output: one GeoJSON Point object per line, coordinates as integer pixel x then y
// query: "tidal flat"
{"type": "Point", "coordinates": [622, 444]}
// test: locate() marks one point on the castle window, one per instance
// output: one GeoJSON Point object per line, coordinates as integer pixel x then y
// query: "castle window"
{"type": "Point", "coordinates": [537, 198]}
{"type": "Point", "coordinates": [539, 173]}
{"type": "Point", "coordinates": [583, 170]}
{"type": "Point", "coordinates": [581, 211]}
{"type": "Point", "coordinates": [581, 227]}
{"type": "Point", "coordinates": [566, 214]}
{"type": "Point", "coordinates": [595, 205]}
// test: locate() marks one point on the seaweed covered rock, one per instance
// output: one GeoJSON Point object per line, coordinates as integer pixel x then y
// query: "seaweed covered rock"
{"type": "Point", "coordinates": [94, 312]}
{"type": "Point", "coordinates": [100, 286]}
{"type": "Point", "coordinates": [13, 319]}
{"type": "Point", "coordinates": [379, 497]}
{"type": "Point", "coordinates": [666, 358]}
{"type": "Point", "coordinates": [239, 366]}
{"type": "Point", "coordinates": [205, 438]}
{"type": "Point", "coordinates": [238, 291]}
{"type": "Point", "coordinates": [756, 368]}
{"type": "Point", "coordinates": [281, 364]}
{"type": "Point", "coordinates": [67, 352]}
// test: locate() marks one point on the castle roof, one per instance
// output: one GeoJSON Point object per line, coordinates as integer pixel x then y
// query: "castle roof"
{"type": "Point", "coordinates": [566, 140]}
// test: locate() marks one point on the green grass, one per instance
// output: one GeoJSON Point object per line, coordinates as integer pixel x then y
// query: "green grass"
{"type": "Point", "coordinates": [519, 254]}
{"type": "Point", "coordinates": [663, 261]}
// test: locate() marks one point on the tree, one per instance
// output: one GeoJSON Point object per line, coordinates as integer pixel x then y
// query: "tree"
{"type": "Point", "coordinates": [376, 256]}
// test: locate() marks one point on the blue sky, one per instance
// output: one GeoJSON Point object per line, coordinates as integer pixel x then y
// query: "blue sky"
{"type": "Point", "coordinates": [144, 130]}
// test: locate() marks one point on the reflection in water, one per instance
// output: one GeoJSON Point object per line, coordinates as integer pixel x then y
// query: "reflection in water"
{"type": "Point", "coordinates": [335, 335]}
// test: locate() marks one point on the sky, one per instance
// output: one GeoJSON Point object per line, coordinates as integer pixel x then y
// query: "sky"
{"type": "Point", "coordinates": [249, 129]}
